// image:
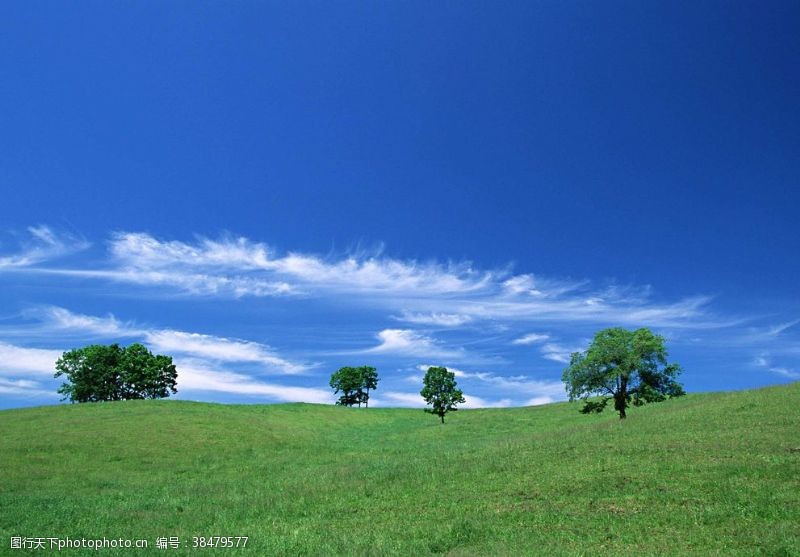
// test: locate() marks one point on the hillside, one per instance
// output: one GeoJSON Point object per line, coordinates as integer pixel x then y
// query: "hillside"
{"type": "Point", "coordinates": [706, 474]}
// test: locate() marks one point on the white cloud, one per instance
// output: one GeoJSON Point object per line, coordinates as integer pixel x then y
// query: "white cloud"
{"type": "Point", "coordinates": [196, 375]}
{"type": "Point", "coordinates": [108, 326]}
{"type": "Point", "coordinates": [761, 360]}
{"type": "Point", "coordinates": [539, 400]}
{"type": "Point", "coordinates": [440, 319]}
{"type": "Point", "coordinates": [142, 252]}
{"type": "Point", "coordinates": [414, 400]}
{"type": "Point", "coordinates": [171, 341]}
{"type": "Point", "coordinates": [478, 402]}
{"type": "Point", "coordinates": [20, 363]}
{"type": "Point", "coordinates": [510, 386]}
{"type": "Point", "coordinates": [558, 352]}
{"type": "Point", "coordinates": [43, 245]}
{"type": "Point", "coordinates": [199, 284]}
{"type": "Point", "coordinates": [410, 343]}
{"type": "Point", "coordinates": [522, 284]}
{"type": "Point", "coordinates": [531, 338]}
{"type": "Point", "coordinates": [17, 387]}
{"type": "Point", "coordinates": [686, 313]}
{"type": "Point", "coordinates": [28, 361]}
{"type": "Point", "coordinates": [427, 293]}
{"type": "Point", "coordinates": [778, 329]}
{"type": "Point", "coordinates": [785, 372]}
{"type": "Point", "coordinates": [218, 348]}
{"type": "Point", "coordinates": [394, 398]}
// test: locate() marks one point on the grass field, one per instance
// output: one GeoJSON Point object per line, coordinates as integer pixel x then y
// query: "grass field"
{"type": "Point", "coordinates": [706, 474]}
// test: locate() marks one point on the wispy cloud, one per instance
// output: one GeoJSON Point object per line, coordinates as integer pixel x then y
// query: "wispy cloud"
{"type": "Point", "coordinates": [23, 387]}
{"type": "Point", "coordinates": [397, 398]}
{"type": "Point", "coordinates": [42, 245]}
{"type": "Point", "coordinates": [429, 293]}
{"type": "Point", "coordinates": [186, 281]}
{"type": "Point", "coordinates": [199, 345]}
{"type": "Point", "coordinates": [762, 360]}
{"type": "Point", "coordinates": [63, 319]}
{"type": "Point", "coordinates": [786, 372]}
{"type": "Point", "coordinates": [539, 400]}
{"type": "Point", "coordinates": [28, 361]}
{"type": "Point", "coordinates": [410, 343]}
{"type": "Point", "coordinates": [531, 338]}
{"type": "Point", "coordinates": [439, 319]}
{"type": "Point", "coordinates": [510, 387]}
{"type": "Point", "coordinates": [415, 400]}
{"type": "Point", "coordinates": [23, 369]}
{"type": "Point", "coordinates": [220, 349]}
{"type": "Point", "coordinates": [778, 329]}
{"type": "Point", "coordinates": [138, 252]}
{"type": "Point", "coordinates": [472, 401]}
{"type": "Point", "coordinates": [560, 353]}
{"type": "Point", "coordinates": [199, 376]}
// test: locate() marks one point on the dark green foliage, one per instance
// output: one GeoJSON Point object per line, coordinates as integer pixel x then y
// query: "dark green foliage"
{"type": "Point", "coordinates": [97, 372]}
{"type": "Point", "coordinates": [629, 367]}
{"type": "Point", "coordinates": [369, 381]}
{"type": "Point", "coordinates": [355, 384]}
{"type": "Point", "coordinates": [440, 391]}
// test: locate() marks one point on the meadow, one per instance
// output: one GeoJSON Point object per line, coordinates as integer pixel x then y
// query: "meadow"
{"type": "Point", "coordinates": [706, 474]}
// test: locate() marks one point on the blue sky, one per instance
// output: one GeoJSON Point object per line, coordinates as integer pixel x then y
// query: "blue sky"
{"type": "Point", "coordinates": [269, 191]}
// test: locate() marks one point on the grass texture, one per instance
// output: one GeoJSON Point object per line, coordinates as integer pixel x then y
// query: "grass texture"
{"type": "Point", "coordinates": [707, 474]}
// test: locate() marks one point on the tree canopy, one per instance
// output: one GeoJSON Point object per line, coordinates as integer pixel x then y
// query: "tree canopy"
{"type": "Point", "coordinates": [440, 391]}
{"type": "Point", "coordinates": [623, 366]}
{"type": "Point", "coordinates": [355, 384]}
{"type": "Point", "coordinates": [98, 372]}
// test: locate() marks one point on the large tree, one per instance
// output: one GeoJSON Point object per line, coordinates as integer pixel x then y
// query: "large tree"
{"type": "Point", "coordinates": [354, 384]}
{"type": "Point", "coordinates": [628, 367]}
{"type": "Point", "coordinates": [98, 372]}
{"type": "Point", "coordinates": [440, 391]}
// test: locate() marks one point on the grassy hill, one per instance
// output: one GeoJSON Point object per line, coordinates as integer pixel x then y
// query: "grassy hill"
{"type": "Point", "coordinates": [705, 474]}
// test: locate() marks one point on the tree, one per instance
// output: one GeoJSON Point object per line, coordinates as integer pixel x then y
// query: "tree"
{"type": "Point", "coordinates": [626, 366]}
{"type": "Point", "coordinates": [354, 383]}
{"type": "Point", "coordinates": [97, 372]}
{"type": "Point", "coordinates": [369, 380]}
{"type": "Point", "coordinates": [440, 391]}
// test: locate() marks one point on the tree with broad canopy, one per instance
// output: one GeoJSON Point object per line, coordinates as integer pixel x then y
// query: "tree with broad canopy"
{"type": "Point", "coordinates": [97, 372]}
{"type": "Point", "coordinates": [628, 367]}
{"type": "Point", "coordinates": [355, 384]}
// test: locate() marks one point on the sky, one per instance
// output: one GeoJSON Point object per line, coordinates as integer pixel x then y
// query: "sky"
{"type": "Point", "coordinates": [268, 191]}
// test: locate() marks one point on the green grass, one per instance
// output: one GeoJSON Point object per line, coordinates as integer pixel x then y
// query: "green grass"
{"type": "Point", "coordinates": [708, 474]}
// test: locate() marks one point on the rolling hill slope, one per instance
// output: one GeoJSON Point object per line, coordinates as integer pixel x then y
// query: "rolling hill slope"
{"type": "Point", "coordinates": [706, 474]}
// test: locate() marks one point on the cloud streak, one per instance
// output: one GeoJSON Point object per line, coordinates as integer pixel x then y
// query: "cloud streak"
{"type": "Point", "coordinates": [509, 387]}
{"type": "Point", "coordinates": [42, 244]}
{"type": "Point", "coordinates": [219, 349]}
{"type": "Point", "coordinates": [28, 361]}
{"type": "Point", "coordinates": [406, 342]}
{"type": "Point", "coordinates": [199, 376]}
{"type": "Point", "coordinates": [429, 293]}
{"type": "Point", "coordinates": [531, 338]}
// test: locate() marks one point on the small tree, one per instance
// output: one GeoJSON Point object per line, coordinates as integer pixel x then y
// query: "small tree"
{"type": "Point", "coordinates": [369, 380]}
{"type": "Point", "coordinates": [348, 382]}
{"type": "Point", "coordinates": [626, 366]}
{"type": "Point", "coordinates": [440, 391]}
{"type": "Point", "coordinates": [97, 372]}
{"type": "Point", "coordinates": [354, 383]}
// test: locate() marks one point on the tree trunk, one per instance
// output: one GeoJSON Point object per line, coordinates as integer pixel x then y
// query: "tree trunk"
{"type": "Point", "coordinates": [442, 417]}
{"type": "Point", "coordinates": [621, 397]}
